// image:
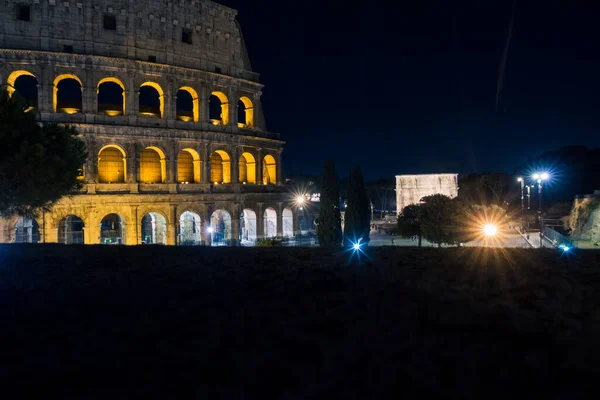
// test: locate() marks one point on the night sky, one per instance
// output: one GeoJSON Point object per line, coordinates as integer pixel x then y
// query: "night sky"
{"type": "Point", "coordinates": [410, 87]}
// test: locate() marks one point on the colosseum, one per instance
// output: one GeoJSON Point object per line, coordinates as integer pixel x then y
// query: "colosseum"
{"type": "Point", "coordinates": [164, 96]}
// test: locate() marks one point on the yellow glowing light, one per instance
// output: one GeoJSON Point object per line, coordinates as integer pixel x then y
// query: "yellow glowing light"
{"type": "Point", "coordinates": [185, 118]}
{"type": "Point", "coordinates": [112, 113]}
{"type": "Point", "coordinates": [69, 110]}
{"type": "Point", "coordinates": [215, 122]}
{"type": "Point", "coordinates": [149, 114]}
{"type": "Point", "coordinates": [490, 230]}
{"type": "Point", "coordinates": [519, 179]}
{"type": "Point", "coordinates": [545, 176]}
{"type": "Point", "coordinates": [300, 199]}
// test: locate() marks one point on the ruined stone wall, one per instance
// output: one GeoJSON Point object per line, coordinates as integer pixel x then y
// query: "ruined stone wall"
{"type": "Point", "coordinates": [142, 29]}
{"type": "Point", "coordinates": [410, 189]}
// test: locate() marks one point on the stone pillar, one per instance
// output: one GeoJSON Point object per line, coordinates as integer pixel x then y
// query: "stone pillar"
{"type": "Point", "coordinates": [203, 104]}
{"type": "Point", "coordinates": [258, 120]}
{"type": "Point", "coordinates": [235, 165]}
{"type": "Point", "coordinates": [279, 168]}
{"type": "Point", "coordinates": [204, 163]}
{"type": "Point", "coordinates": [131, 108]}
{"type": "Point", "coordinates": [296, 221]}
{"type": "Point", "coordinates": [233, 108]}
{"type": "Point", "coordinates": [260, 221]}
{"type": "Point", "coordinates": [279, 218]}
{"type": "Point", "coordinates": [235, 225]}
{"type": "Point", "coordinates": [172, 230]}
{"type": "Point", "coordinates": [259, 166]}
{"type": "Point", "coordinates": [207, 223]}
{"type": "Point", "coordinates": [45, 90]}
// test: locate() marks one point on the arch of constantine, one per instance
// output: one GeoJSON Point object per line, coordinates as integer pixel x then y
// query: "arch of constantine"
{"type": "Point", "coordinates": [165, 99]}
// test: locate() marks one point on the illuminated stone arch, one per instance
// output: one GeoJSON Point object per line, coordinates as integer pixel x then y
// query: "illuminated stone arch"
{"type": "Point", "coordinates": [186, 115]}
{"type": "Point", "coordinates": [219, 229]}
{"type": "Point", "coordinates": [113, 229]}
{"type": "Point", "coordinates": [287, 218]}
{"type": "Point", "coordinates": [71, 230]}
{"type": "Point", "coordinates": [112, 164]}
{"type": "Point", "coordinates": [26, 231]}
{"type": "Point", "coordinates": [247, 168]}
{"type": "Point", "coordinates": [245, 113]}
{"type": "Point", "coordinates": [190, 229]}
{"type": "Point", "coordinates": [219, 108]}
{"type": "Point", "coordinates": [59, 100]}
{"type": "Point", "coordinates": [248, 231]}
{"type": "Point", "coordinates": [153, 228]}
{"type": "Point", "coordinates": [220, 167]}
{"type": "Point", "coordinates": [188, 166]}
{"type": "Point", "coordinates": [270, 222]}
{"type": "Point", "coordinates": [156, 110]}
{"type": "Point", "coordinates": [153, 165]}
{"type": "Point", "coordinates": [269, 170]}
{"type": "Point", "coordinates": [22, 76]}
{"type": "Point", "coordinates": [111, 109]}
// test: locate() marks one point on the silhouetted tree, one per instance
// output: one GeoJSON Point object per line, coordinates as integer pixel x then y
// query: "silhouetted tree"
{"type": "Point", "coordinates": [438, 218]}
{"type": "Point", "coordinates": [356, 217]}
{"type": "Point", "coordinates": [408, 222]}
{"type": "Point", "coordinates": [39, 162]}
{"type": "Point", "coordinates": [329, 221]}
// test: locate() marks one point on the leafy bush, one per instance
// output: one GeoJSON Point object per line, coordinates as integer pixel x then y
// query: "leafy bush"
{"type": "Point", "coordinates": [270, 242]}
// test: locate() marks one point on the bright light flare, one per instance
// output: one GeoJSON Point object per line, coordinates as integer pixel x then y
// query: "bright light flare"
{"type": "Point", "coordinates": [300, 200]}
{"type": "Point", "coordinates": [356, 246]}
{"type": "Point", "coordinates": [210, 230]}
{"type": "Point", "coordinates": [519, 179]}
{"type": "Point", "coordinates": [490, 230]}
{"type": "Point", "coordinates": [544, 176]}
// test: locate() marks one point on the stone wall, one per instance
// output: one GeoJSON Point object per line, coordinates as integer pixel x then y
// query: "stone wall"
{"type": "Point", "coordinates": [410, 189]}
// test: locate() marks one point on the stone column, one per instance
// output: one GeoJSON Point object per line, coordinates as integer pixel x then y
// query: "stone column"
{"type": "Point", "coordinates": [279, 218]}
{"type": "Point", "coordinates": [203, 104]}
{"type": "Point", "coordinates": [203, 151]}
{"type": "Point", "coordinates": [206, 218]}
{"type": "Point", "coordinates": [92, 228]}
{"type": "Point", "coordinates": [259, 166]}
{"type": "Point", "coordinates": [258, 120]}
{"type": "Point", "coordinates": [235, 225]}
{"type": "Point", "coordinates": [279, 168]}
{"type": "Point", "coordinates": [296, 221]}
{"type": "Point", "coordinates": [260, 221]}
{"type": "Point", "coordinates": [45, 90]}
{"type": "Point", "coordinates": [235, 165]}
{"type": "Point", "coordinates": [172, 228]}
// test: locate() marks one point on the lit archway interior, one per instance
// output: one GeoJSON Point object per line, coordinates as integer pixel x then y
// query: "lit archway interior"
{"type": "Point", "coordinates": [111, 165]}
{"type": "Point", "coordinates": [218, 108]}
{"type": "Point", "coordinates": [154, 229]}
{"type": "Point", "coordinates": [247, 170]}
{"type": "Point", "coordinates": [248, 227]}
{"type": "Point", "coordinates": [245, 113]}
{"type": "Point", "coordinates": [68, 96]}
{"type": "Point", "coordinates": [188, 167]}
{"type": "Point", "coordinates": [220, 224]}
{"type": "Point", "coordinates": [288, 222]}
{"type": "Point", "coordinates": [152, 100]}
{"type": "Point", "coordinates": [111, 97]}
{"type": "Point", "coordinates": [190, 229]}
{"type": "Point", "coordinates": [220, 167]}
{"type": "Point", "coordinates": [70, 230]}
{"type": "Point", "coordinates": [269, 170]}
{"type": "Point", "coordinates": [25, 84]}
{"type": "Point", "coordinates": [153, 166]}
{"type": "Point", "coordinates": [270, 223]}
{"type": "Point", "coordinates": [112, 229]}
{"type": "Point", "coordinates": [27, 231]}
{"type": "Point", "coordinates": [187, 104]}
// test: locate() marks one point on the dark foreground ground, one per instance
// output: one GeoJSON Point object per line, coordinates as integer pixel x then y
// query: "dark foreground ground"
{"type": "Point", "coordinates": [294, 323]}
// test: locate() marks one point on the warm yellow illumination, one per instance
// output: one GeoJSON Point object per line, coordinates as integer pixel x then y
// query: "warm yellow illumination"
{"type": "Point", "coordinates": [111, 165]}
{"type": "Point", "coordinates": [215, 122]}
{"type": "Point", "coordinates": [153, 166]}
{"type": "Point", "coordinates": [249, 111]}
{"type": "Point", "coordinates": [224, 107]}
{"type": "Point", "coordinates": [12, 79]}
{"type": "Point", "coordinates": [30, 108]}
{"type": "Point", "coordinates": [195, 102]}
{"type": "Point", "coordinates": [188, 166]}
{"type": "Point", "coordinates": [240, 125]}
{"type": "Point", "coordinates": [220, 167]}
{"type": "Point", "coordinates": [269, 170]}
{"type": "Point", "coordinates": [57, 80]}
{"type": "Point", "coordinates": [150, 114]}
{"type": "Point", "coordinates": [161, 98]}
{"type": "Point", "coordinates": [69, 110]}
{"type": "Point", "coordinates": [112, 113]}
{"type": "Point", "coordinates": [118, 82]}
{"type": "Point", "coordinates": [490, 230]}
{"type": "Point", "coordinates": [247, 168]}
{"type": "Point", "coordinates": [184, 118]}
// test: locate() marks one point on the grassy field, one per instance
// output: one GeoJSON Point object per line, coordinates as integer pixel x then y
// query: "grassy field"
{"type": "Point", "coordinates": [298, 323]}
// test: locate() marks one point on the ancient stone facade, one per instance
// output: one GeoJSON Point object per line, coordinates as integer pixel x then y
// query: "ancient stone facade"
{"type": "Point", "coordinates": [410, 189]}
{"type": "Point", "coordinates": [163, 167]}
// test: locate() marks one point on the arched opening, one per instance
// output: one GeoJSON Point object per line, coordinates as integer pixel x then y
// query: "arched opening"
{"type": "Point", "coordinates": [220, 167]}
{"type": "Point", "coordinates": [220, 228]}
{"type": "Point", "coordinates": [187, 104]}
{"type": "Point", "coordinates": [111, 97]}
{"type": "Point", "coordinates": [247, 170]}
{"type": "Point", "coordinates": [270, 223]}
{"type": "Point", "coordinates": [152, 100]}
{"type": "Point", "coordinates": [288, 222]}
{"type": "Point", "coordinates": [70, 230]}
{"type": "Point", "coordinates": [27, 231]}
{"type": "Point", "coordinates": [218, 109]}
{"type": "Point", "coordinates": [153, 166]}
{"type": "Point", "coordinates": [25, 84]}
{"type": "Point", "coordinates": [190, 229]}
{"type": "Point", "coordinates": [248, 227]}
{"type": "Point", "coordinates": [111, 165]}
{"type": "Point", "coordinates": [188, 167]}
{"type": "Point", "coordinates": [245, 113]}
{"type": "Point", "coordinates": [154, 229]}
{"type": "Point", "coordinates": [68, 96]}
{"type": "Point", "coordinates": [269, 170]}
{"type": "Point", "coordinates": [112, 229]}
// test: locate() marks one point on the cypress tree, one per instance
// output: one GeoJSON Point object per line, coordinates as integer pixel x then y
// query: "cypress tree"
{"type": "Point", "coordinates": [357, 218]}
{"type": "Point", "coordinates": [329, 221]}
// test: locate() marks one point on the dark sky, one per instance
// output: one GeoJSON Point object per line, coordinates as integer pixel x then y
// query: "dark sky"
{"type": "Point", "coordinates": [410, 87]}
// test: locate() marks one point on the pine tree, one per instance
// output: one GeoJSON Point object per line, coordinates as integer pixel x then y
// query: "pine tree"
{"type": "Point", "coordinates": [329, 222]}
{"type": "Point", "coordinates": [356, 218]}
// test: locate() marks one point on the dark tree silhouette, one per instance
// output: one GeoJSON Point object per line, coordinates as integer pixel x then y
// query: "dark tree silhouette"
{"type": "Point", "coordinates": [408, 222]}
{"type": "Point", "coordinates": [356, 217]}
{"type": "Point", "coordinates": [329, 221]}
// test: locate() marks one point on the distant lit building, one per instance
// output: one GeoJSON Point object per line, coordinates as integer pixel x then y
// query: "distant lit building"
{"type": "Point", "coordinates": [410, 189]}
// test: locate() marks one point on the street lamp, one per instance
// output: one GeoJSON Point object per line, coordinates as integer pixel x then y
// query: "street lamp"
{"type": "Point", "coordinates": [210, 231]}
{"type": "Point", "coordinates": [540, 177]}
{"type": "Point", "coordinates": [522, 181]}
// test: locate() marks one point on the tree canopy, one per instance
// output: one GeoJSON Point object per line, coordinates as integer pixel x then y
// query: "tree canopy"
{"type": "Point", "coordinates": [329, 221]}
{"type": "Point", "coordinates": [409, 224]}
{"type": "Point", "coordinates": [39, 162]}
{"type": "Point", "coordinates": [356, 216]}
{"type": "Point", "coordinates": [438, 217]}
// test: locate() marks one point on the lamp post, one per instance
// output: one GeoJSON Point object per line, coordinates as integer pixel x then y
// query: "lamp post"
{"type": "Point", "coordinates": [210, 232]}
{"type": "Point", "coordinates": [540, 177]}
{"type": "Point", "coordinates": [522, 181]}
